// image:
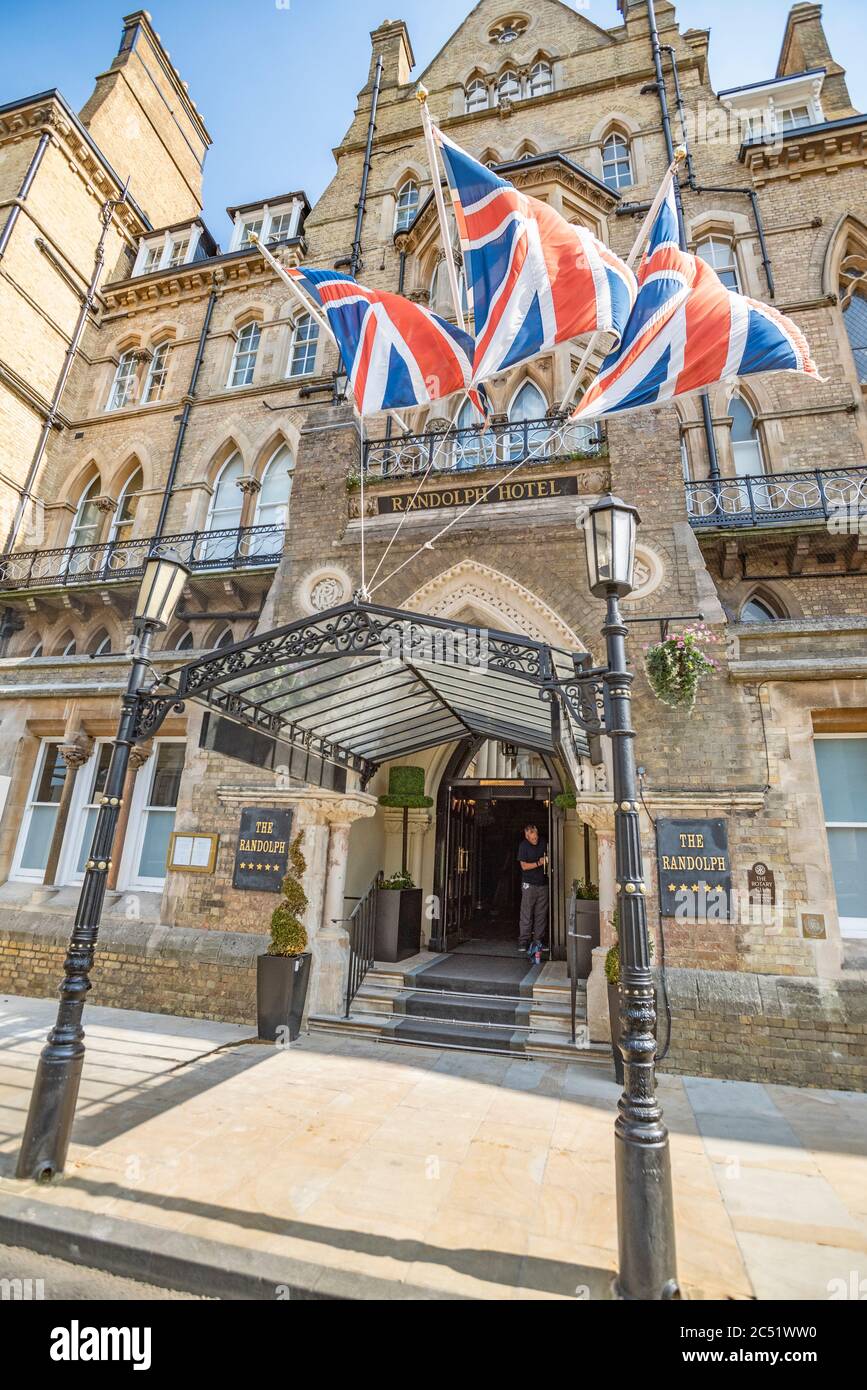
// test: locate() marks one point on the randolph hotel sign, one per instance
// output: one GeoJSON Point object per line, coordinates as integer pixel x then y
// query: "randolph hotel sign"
{"type": "Point", "coordinates": [434, 499]}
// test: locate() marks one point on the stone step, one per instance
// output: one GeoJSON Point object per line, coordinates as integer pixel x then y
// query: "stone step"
{"type": "Point", "coordinates": [417, 1032]}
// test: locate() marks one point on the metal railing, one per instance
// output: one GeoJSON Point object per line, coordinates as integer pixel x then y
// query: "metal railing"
{"type": "Point", "coordinates": [457, 450]}
{"type": "Point", "coordinates": [241, 547]}
{"type": "Point", "coordinates": [362, 933]}
{"type": "Point", "coordinates": [775, 499]}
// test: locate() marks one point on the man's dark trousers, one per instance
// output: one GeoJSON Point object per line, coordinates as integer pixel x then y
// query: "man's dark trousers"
{"type": "Point", "coordinates": [533, 921]}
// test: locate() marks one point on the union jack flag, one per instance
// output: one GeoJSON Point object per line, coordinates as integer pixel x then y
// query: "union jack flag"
{"type": "Point", "coordinates": [396, 353]}
{"type": "Point", "coordinates": [533, 279]}
{"type": "Point", "coordinates": [687, 331]}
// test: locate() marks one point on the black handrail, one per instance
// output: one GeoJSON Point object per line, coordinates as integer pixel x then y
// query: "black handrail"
{"type": "Point", "coordinates": [451, 450]}
{"type": "Point", "coordinates": [362, 933]}
{"type": "Point", "coordinates": [762, 499]}
{"type": "Point", "coordinates": [236, 547]}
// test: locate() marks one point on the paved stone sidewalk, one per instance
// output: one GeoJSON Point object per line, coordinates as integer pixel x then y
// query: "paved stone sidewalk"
{"type": "Point", "coordinates": [447, 1174]}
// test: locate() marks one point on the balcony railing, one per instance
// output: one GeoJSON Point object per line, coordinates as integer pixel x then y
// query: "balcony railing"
{"type": "Point", "coordinates": [450, 451]}
{"type": "Point", "coordinates": [778, 499]}
{"type": "Point", "coordinates": [239, 548]}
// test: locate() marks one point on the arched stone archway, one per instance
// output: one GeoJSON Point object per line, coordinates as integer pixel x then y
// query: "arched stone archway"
{"type": "Point", "coordinates": [472, 592]}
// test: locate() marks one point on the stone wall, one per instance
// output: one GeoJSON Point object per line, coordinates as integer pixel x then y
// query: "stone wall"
{"type": "Point", "coordinates": [743, 1027]}
{"type": "Point", "coordinates": [163, 970]}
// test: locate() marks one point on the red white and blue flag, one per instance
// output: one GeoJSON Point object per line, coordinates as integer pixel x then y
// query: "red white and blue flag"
{"type": "Point", "coordinates": [533, 279]}
{"type": "Point", "coordinates": [397, 354]}
{"type": "Point", "coordinates": [687, 331]}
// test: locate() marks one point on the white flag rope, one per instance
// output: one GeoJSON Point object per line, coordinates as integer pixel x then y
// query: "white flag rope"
{"type": "Point", "coordinates": [445, 233]}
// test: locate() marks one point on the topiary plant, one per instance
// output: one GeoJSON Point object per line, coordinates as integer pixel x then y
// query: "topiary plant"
{"type": "Point", "coordinates": [288, 933]}
{"type": "Point", "coordinates": [406, 790]}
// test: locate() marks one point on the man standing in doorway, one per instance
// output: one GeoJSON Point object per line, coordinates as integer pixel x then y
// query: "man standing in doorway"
{"type": "Point", "coordinates": [533, 858]}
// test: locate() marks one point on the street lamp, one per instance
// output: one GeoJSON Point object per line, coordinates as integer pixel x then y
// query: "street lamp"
{"type": "Point", "coordinates": [645, 1215]}
{"type": "Point", "coordinates": [55, 1092]}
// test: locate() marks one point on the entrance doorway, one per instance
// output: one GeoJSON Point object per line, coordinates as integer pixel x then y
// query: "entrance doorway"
{"type": "Point", "coordinates": [480, 824]}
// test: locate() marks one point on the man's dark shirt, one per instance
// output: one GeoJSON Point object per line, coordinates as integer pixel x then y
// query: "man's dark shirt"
{"type": "Point", "coordinates": [529, 854]}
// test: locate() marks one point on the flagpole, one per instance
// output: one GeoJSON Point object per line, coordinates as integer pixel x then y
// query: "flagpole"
{"type": "Point", "coordinates": [451, 268]}
{"type": "Point", "coordinates": [311, 308]}
{"type": "Point", "coordinates": [679, 155]}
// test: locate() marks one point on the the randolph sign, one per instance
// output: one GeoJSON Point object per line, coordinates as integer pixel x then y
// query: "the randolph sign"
{"type": "Point", "coordinates": [434, 499]}
{"type": "Point", "coordinates": [694, 867]}
{"type": "Point", "coordinates": [262, 855]}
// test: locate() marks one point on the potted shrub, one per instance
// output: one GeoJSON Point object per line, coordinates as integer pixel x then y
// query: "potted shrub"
{"type": "Point", "coordinates": [676, 666]}
{"type": "Point", "coordinates": [398, 918]}
{"type": "Point", "coordinates": [586, 924]}
{"type": "Point", "coordinates": [283, 972]}
{"type": "Point", "coordinates": [406, 790]}
{"type": "Point", "coordinates": [612, 975]}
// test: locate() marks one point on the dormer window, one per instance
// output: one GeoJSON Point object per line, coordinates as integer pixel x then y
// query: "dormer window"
{"type": "Point", "coordinates": [271, 222]}
{"type": "Point", "coordinates": [793, 117]}
{"type": "Point", "coordinates": [178, 252]}
{"type": "Point", "coordinates": [280, 228]}
{"type": "Point", "coordinates": [153, 255]}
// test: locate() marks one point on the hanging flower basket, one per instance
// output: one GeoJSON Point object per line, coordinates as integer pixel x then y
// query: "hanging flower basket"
{"type": "Point", "coordinates": [676, 667]}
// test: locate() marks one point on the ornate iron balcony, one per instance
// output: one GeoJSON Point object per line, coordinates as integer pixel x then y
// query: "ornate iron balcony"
{"type": "Point", "coordinates": [455, 450]}
{"type": "Point", "coordinates": [244, 547]}
{"type": "Point", "coordinates": [778, 499]}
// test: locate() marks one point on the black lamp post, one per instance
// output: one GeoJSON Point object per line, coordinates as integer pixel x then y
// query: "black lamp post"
{"type": "Point", "coordinates": [645, 1214]}
{"type": "Point", "coordinates": [55, 1092]}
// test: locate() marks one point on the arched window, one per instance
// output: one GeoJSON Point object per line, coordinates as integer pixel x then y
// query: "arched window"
{"type": "Point", "coordinates": [477, 95]}
{"type": "Point", "coordinates": [37, 650]}
{"type": "Point", "coordinates": [853, 303]}
{"type": "Point", "coordinates": [124, 517]}
{"type": "Point", "coordinates": [719, 253]}
{"type": "Point", "coordinates": [541, 79]}
{"type": "Point", "coordinates": [473, 448]}
{"type": "Point", "coordinates": [123, 386]}
{"type": "Point", "coordinates": [185, 643]}
{"type": "Point", "coordinates": [509, 86]}
{"type": "Point", "coordinates": [528, 405]}
{"type": "Point", "coordinates": [617, 161]}
{"type": "Point", "coordinates": [746, 445]}
{"type": "Point", "coordinates": [272, 503]}
{"type": "Point", "coordinates": [157, 371]}
{"type": "Point", "coordinates": [224, 513]}
{"type": "Point", "coordinates": [305, 340]}
{"type": "Point", "coordinates": [87, 522]}
{"type": "Point", "coordinates": [99, 644]}
{"type": "Point", "coordinates": [70, 648]}
{"type": "Point", "coordinates": [757, 610]}
{"type": "Point", "coordinates": [407, 205]}
{"type": "Point", "coordinates": [244, 356]}
{"type": "Point", "coordinates": [441, 293]}
{"type": "Point", "coordinates": [225, 639]}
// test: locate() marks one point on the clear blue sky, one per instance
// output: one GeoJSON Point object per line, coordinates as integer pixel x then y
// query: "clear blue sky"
{"type": "Point", "coordinates": [276, 132]}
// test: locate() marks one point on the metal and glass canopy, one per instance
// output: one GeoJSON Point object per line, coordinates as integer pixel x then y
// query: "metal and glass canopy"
{"type": "Point", "coordinates": [361, 684]}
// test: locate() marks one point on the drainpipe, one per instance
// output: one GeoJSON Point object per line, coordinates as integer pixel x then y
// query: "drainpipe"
{"type": "Point", "coordinates": [355, 259]}
{"type": "Point", "coordinates": [185, 415]}
{"type": "Point", "coordinates": [707, 418]}
{"type": "Point", "coordinates": [709, 188]}
{"type": "Point", "coordinates": [32, 170]}
{"type": "Point", "coordinates": [87, 303]}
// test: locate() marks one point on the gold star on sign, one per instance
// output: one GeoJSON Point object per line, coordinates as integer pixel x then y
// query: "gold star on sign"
{"type": "Point", "coordinates": [695, 888]}
{"type": "Point", "coordinates": [258, 866]}
{"type": "Point", "coordinates": [684, 888]}
{"type": "Point", "coordinates": [671, 888]}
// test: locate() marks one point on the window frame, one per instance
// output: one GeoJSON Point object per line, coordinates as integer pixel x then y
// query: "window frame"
{"type": "Point", "coordinates": [617, 137]}
{"type": "Point", "coordinates": [859, 933]}
{"type": "Point", "coordinates": [300, 347]}
{"type": "Point", "coordinates": [402, 223]}
{"type": "Point", "coordinates": [715, 239]}
{"type": "Point", "coordinates": [469, 106]}
{"type": "Point", "coordinates": [129, 878]}
{"type": "Point", "coordinates": [129, 378]}
{"type": "Point", "coordinates": [157, 367]}
{"type": "Point", "coordinates": [240, 351]}
{"type": "Point", "coordinates": [541, 63]}
{"type": "Point", "coordinates": [17, 874]}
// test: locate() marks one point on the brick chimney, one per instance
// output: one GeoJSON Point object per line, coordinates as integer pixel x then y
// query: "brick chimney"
{"type": "Point", "coordinates": [805, 46]}
{"type": "Point", "coordinates": [143, 119]}
{"type": "Point", "coordinates": [391, 40]}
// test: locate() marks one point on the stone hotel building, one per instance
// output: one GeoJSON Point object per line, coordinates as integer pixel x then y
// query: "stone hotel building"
{"type": "Point", "coordinates": [159, 382]}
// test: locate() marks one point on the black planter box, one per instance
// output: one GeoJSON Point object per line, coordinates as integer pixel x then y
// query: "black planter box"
{"type": "Point", "coordinates": [587, 931]}
{"type": "Point", "coordinates": [398, 923]}
{"type": "Point", "coordinates": [281, 992]}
